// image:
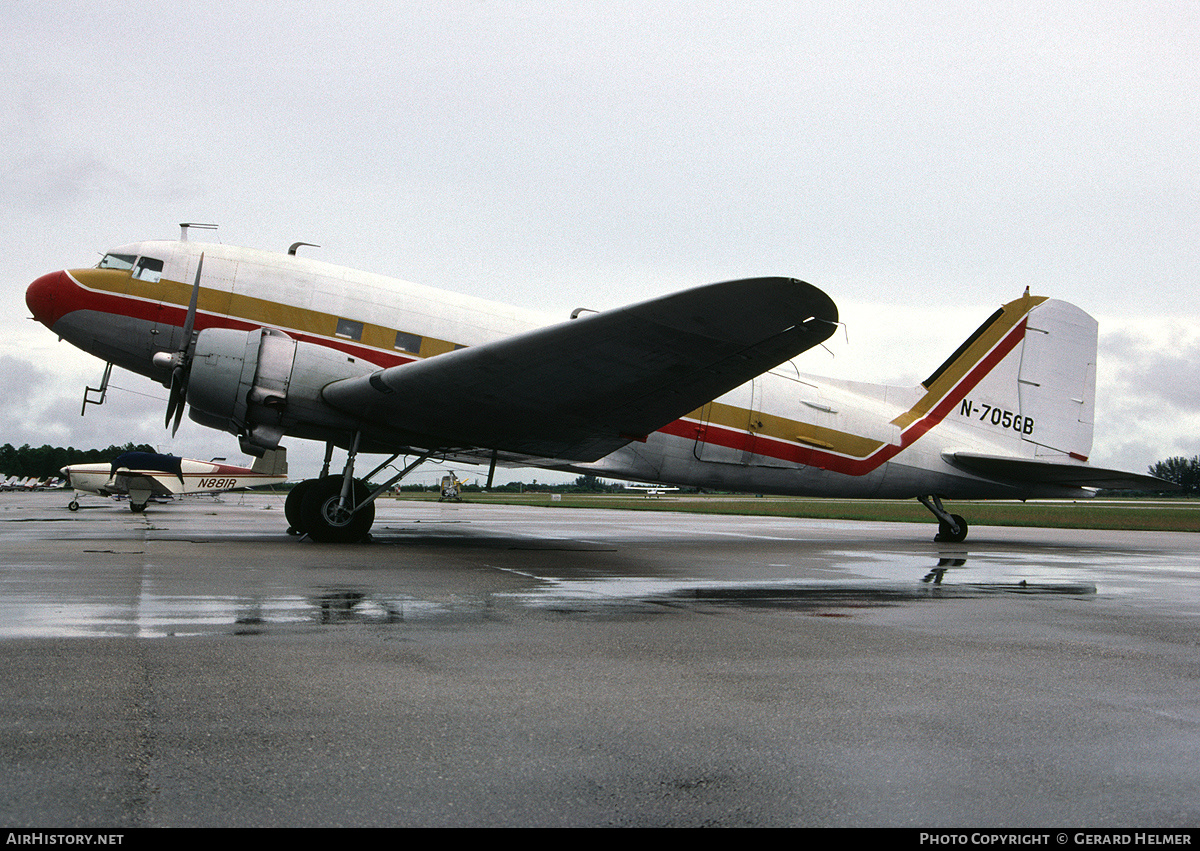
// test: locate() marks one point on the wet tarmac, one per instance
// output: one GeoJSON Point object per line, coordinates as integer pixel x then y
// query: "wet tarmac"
{"type": "Point", "coordinates": [493, 665]}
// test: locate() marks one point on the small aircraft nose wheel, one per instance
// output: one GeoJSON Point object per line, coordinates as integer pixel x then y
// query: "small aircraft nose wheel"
{"type": "Point", "coordinates": [946, 533]}
{"type": "Point", "coordinates": [73, 505]}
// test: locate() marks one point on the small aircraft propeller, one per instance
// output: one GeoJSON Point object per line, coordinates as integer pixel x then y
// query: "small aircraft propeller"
{"type": "Point", "coordinates": [180, 362]}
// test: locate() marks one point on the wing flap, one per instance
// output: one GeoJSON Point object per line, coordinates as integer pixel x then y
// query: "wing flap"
{"type": "Point", "coordinates": [1068, 474]}
{"type": "Point", "coordinates": [582, 389]}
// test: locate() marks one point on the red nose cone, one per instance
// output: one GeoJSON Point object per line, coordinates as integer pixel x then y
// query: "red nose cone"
{"type": "Point", "coordinates": [45, 297]}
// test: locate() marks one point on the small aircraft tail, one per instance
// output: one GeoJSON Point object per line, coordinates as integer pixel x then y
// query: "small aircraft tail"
{"type": "Point", "coordinates": [1026, 379]}
{"type": "Point", "coordinates": [273, 462]}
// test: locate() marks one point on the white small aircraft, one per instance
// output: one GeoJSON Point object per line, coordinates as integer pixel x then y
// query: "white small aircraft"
{"type": "Point", "coordinates": [144, 475]}
{"type": "Point", "coordinates": [650, 490]}
{"type": "Point", "coordinates": [694, 388]}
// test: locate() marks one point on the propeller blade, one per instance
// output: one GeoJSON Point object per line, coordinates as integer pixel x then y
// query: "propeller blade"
{"type": "Point", "coordinates": [175, 395]}
{"type": "Point", "coordinates": [177, 399]}
{"type": "Point", "coordinates": [190, 321]}
{"type": "Point", "coordinates": [178, 418]}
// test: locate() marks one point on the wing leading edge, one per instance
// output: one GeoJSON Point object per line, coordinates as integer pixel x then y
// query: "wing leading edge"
{"type": "Point", "coordinates": [581, 389]}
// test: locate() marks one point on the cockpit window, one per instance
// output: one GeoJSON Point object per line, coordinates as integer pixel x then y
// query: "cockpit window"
{"type": "Point", "coordinates": [148, 269]}
{"type": "Point", "coordinates": [124, 262]}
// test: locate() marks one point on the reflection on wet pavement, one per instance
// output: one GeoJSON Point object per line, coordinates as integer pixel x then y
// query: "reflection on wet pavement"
{"type": "Point", "coordinates": [112, 576]}
{"type": "Point", "coordinates": [150, 614]}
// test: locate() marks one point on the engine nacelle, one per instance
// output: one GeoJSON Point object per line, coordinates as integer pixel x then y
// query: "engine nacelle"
{"type": "Point", "coordinates": [262, 384]}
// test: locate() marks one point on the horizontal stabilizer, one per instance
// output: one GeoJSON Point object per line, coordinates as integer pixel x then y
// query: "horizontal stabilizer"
{"type": "Point", "coordinates": [582, 389]}
{"type": "Point", "coordinates": [1064, 473]}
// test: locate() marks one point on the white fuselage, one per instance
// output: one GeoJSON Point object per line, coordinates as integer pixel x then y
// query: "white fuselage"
{"type": "Point", "coordinates": [784, 432]}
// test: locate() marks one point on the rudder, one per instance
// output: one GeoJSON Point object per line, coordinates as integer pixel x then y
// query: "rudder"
{"type": "Point", "coordinates": [1057, 381]}
{"type": "Point", "coordinates": [273, 462]}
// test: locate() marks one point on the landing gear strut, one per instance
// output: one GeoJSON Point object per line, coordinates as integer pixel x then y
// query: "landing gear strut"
{"type": "Point", "coordinates": [952, 528]}
{"type": "Point", "coordinates": [338, 509]}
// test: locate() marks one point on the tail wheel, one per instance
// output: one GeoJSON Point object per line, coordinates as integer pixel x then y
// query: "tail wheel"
{"type": "Point", "coordinates": [326, 521]}
{"type": "Point", "coordinates": [946, 533]}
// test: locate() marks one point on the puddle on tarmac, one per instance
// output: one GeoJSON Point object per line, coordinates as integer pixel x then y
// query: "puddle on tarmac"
{"type": "Point", "coordinates": [862, 582]}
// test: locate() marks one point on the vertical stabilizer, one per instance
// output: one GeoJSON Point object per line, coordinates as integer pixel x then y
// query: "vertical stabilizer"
{"type": "Point", "coordinates": [1026, 380]}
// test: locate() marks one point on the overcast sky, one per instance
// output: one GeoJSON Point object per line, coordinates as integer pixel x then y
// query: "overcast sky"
{"type": "Point", "coordinates": [921, 163]}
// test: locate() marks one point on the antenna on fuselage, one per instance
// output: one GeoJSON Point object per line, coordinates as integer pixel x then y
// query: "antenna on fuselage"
{"type": "Point", "coordinates": [183, 226]}
{"type": "Point", "coordinates": [295, 245]}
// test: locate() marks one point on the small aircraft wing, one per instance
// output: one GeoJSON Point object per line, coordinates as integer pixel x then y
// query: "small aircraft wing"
{"type": "Point", "coordinates": [1031, 470]}
{"type": "Point", "coordinates": [582, 389]}
{"type": "Point", "coordinates": [140, 481]}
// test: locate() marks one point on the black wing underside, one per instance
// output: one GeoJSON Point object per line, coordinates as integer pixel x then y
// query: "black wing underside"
{"type": "Point", "coordinates": [581, 389]}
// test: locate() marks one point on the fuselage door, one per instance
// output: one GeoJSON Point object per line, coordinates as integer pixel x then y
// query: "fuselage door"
{"type": "Point", "coordinates": [728, 426]}
{"type": "Point", "coordinates": [754, 421]}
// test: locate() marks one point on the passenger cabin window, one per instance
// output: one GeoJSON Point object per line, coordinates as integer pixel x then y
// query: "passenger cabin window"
{"type": "Point", "coordinates": [124, 262]}
{"type": "Point", "coordinates": [408, 342]}
{"type": "Point", "coordinates": [148, 269]}
{"type": "Point", "coordinates": [349, 329]}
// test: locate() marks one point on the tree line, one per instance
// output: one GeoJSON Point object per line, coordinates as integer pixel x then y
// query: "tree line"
{"type": "Point", "coordinates": [45, 461]}
{"type": "Point", "coordinates": [1184, 472]}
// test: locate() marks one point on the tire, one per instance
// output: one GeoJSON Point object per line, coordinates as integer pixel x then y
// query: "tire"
{"type": "Point", "coordinates": [320, 516]}
{"type": "Point", "coordinates": [293, 506]}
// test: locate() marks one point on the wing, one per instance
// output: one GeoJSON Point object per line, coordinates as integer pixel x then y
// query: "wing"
{"type": "Point", "coordinates": [582, 389]}
{"type": "Point", "coordinates": [157, 485]}
{"type": "Point", "coordinates": [1032, 471]}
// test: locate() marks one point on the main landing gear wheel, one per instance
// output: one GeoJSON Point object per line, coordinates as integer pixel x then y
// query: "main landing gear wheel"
{"type": "Point", "coordinates": [293, 507]}
{"type": "Point", "coordinates": [326, 522]}
{"type": "Point", "coordinates": [946, 533]}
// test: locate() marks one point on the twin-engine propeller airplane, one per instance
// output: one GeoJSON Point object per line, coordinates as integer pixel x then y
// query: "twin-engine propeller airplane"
{"type": "Point", "coordinates": [143, 475]}
{"type": "Point", "coordinates": [694, 388]}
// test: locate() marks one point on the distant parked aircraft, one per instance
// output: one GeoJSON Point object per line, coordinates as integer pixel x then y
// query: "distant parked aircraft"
{"type": "Point", "coordinates": [142, 475]}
